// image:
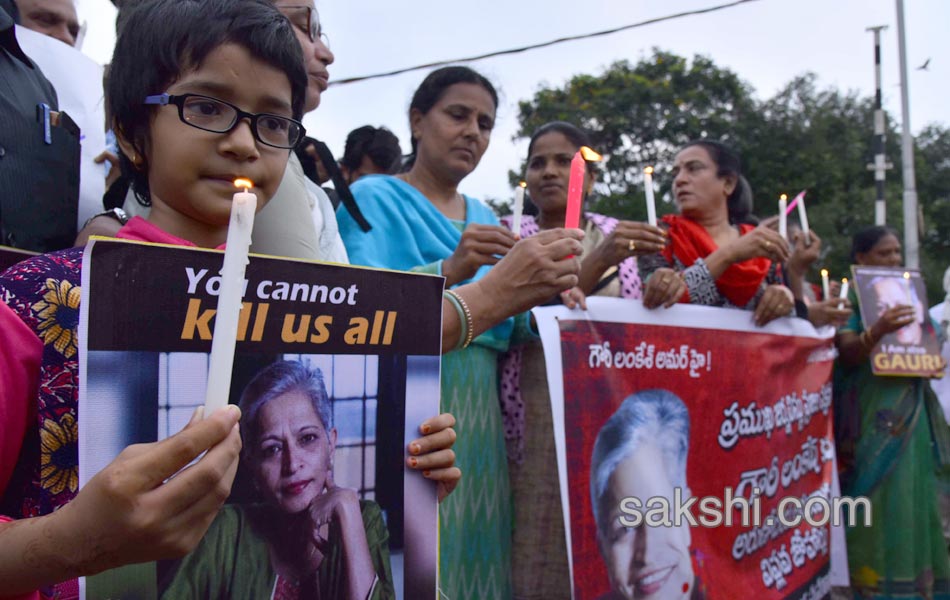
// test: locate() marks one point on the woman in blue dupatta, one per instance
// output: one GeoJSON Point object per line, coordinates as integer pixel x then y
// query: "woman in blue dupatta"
{"type": "Point", "coordinates": [420, 222]}
{"type": "Point", "coordinates": [892, 447]}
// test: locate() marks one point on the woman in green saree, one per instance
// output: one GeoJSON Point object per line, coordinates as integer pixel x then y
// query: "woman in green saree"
{"type": "Point", "coordinates": [893, 447]}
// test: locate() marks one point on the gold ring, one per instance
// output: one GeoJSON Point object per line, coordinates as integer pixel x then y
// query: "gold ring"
{"type": "Point", "coordinates": [631, 246]}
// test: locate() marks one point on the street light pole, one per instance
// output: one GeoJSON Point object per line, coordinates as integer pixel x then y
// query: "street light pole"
{"type": "Point", "coordinates": [911, 235]}
{"type": "Point", "coordinates": [880, 164]}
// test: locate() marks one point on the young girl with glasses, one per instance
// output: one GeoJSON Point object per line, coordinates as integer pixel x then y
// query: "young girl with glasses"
{"type": "Point", "coordinates": [235, 85]}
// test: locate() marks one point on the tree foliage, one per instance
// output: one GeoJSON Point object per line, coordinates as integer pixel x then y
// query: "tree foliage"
{"type": "Point", "coordinates": [802, 138]}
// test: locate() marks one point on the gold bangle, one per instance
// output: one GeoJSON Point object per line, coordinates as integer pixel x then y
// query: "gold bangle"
{"type": "Point", "coordinates": [469, 325]}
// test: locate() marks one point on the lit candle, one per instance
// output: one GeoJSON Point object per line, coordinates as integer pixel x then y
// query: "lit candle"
{"type": "Point", "coordinates": [230, 294]}
{"type": "Point", "coordinates": [782, 217]}
{"type": "Point", "coordinates": [518, 209]}
{"type": "Point", "coordinates": [575, 192]}
{"type": "Point", "coordinates": [651, 201]}
{"type": "Point", "coordinates": [844, 292]}
{"type": "Point", "coordinates": [825, 285]}
{"type": "Point", "coordinates": [803, 217]}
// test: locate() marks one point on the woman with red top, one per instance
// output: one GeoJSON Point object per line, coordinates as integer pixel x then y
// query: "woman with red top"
{"type": "Point", "coordinates": [716, 255]}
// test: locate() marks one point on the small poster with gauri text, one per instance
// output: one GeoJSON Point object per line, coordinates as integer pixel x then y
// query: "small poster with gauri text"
{"type": "Point", "coordinates": [913, 350]}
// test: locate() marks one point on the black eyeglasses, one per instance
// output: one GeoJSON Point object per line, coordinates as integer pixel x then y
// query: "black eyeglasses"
{"type": "Point", "coordinates": [312, 28]}
{"type": "Point", "coordinates": [218, 116]}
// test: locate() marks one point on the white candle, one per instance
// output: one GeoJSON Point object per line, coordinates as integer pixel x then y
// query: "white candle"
{"type": "Point", "coordinates": [230, 295]}
{"type": "Point", "coordinates": [651, 201]}
{"type": "Point", "coordinates": [844, 292]}
{"type": "Point", "coordinates": [518, 209]}
{"type": "Point", "coordinates": [825, 285]}
{"type": "Point", "coordinates": [803, 217]}
{"type": "Point", "coordinates": [782, 217]}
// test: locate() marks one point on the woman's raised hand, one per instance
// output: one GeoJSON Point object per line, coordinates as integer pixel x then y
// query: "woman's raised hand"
{"type": "Point", "coordinates": [129, 513]}
{"type": "Point", "coordinates": [343, 506]}
{"type": "Point", "coordinates": [536, 269]}
{"type": "Point", "coordinates": [892, 319]}
{"type": "Point", "coordinates": [335, 503]}
{"type": "Point", "coordinates": [763, 241]}
{"type": "Point", "coordinates": [433, 455]}
{"type": "Point", "coordinates": [480, 245]}
{"type": "Point", "coordinates": [629, 238]}
{"type": "Point", "coordinates": [804, 255]}
{"type": "Point", "coordinates": [664, 287]}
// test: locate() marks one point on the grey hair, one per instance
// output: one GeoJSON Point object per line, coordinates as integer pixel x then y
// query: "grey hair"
{"type": "Point", "coordinates": [657, 415]}
{"type": "Point", "coordinates": [276, 380]}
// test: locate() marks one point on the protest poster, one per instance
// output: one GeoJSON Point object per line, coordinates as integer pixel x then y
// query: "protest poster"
{"type": "Point", "coordinates": [374, 336]}
{"type": "Point", "coordinates": [913, 350]}
{"type": "Point", "coordinates": [11, 256]}
{"type": "Point", "coordinates": [688, 407]}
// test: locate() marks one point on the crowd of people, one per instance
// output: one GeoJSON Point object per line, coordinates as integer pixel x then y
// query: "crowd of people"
{"type": "Point", "coordinates": [183, 116]}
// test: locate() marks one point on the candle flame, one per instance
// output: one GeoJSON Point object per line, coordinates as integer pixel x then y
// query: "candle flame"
{"type": "Point", "coordinates": [783, 197]}
{"type": "Point", "coordinates": [824, 272]}
{"type": "Point", "coordinates": [244, 183]}
{"type": "Point", "coordinates": [590, 155]}
{"type": "Point", "coordinates": [648, 170]}
{"type": "Point", "coordinates": [906, 275]}
{"type": "Point", "coordinates": [844, 280]}
{"type": "Point", "coordinates": [523, 184]}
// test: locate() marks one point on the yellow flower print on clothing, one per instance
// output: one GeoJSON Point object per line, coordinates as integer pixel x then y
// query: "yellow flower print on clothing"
{"type": "Point", "coordinates": [59, 314]}
{"type": "Point", "coordinates": [58, 455]}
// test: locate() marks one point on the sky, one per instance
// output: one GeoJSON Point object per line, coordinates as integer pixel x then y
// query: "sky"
{"type": "Point", "coordinates": [766, 42]}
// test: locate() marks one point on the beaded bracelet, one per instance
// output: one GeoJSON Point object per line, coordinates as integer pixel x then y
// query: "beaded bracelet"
{"type": "Point", "coordinates": [463, 325]}
{"type": "Point", "coordinates": [468, 327]}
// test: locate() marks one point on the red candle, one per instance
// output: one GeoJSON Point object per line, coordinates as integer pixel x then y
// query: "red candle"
{"type": "Point", "coordinates": [575, 190]}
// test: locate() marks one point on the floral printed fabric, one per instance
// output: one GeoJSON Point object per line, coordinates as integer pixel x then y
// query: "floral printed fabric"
{"type": "Point", "coordinates": [512, 402]}
{"type": "Point", "coordinates": [44, 293]}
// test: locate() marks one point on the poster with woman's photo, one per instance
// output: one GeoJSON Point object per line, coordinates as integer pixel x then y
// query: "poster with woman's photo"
{"type": "Point", "coordinates": [335, 369]}
{"type": "Point", "coordinates": [912, 350]}
{"type": "Point", "coordinates": [691, 445]}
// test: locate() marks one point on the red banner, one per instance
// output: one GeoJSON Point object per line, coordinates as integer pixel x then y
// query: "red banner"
{"type": "Point", "coordinates": [695, 416]}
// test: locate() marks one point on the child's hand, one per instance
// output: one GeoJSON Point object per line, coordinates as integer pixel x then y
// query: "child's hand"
{"type": "Point", "coordinates": [126, 514]}
{"type": "Point", "coordinates": [433, 455]}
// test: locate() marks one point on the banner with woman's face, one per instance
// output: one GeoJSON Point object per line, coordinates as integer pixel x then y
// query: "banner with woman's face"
{"type": "Point", "coordinates": [335, 369]}
{"type": "Point", "coordinates": [666, 422]}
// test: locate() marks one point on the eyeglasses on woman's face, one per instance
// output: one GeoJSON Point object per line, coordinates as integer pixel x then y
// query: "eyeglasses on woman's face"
{"type": "Point", "coordinates": [306, 19]}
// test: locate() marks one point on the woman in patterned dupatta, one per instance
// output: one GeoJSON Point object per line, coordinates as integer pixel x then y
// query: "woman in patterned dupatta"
{"type": "Point", "coordinates": [539, 551]}
{"type": "Point", "coordinates": [716, 255]}
{"type": "Point", "coordinates": [893, 447]}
